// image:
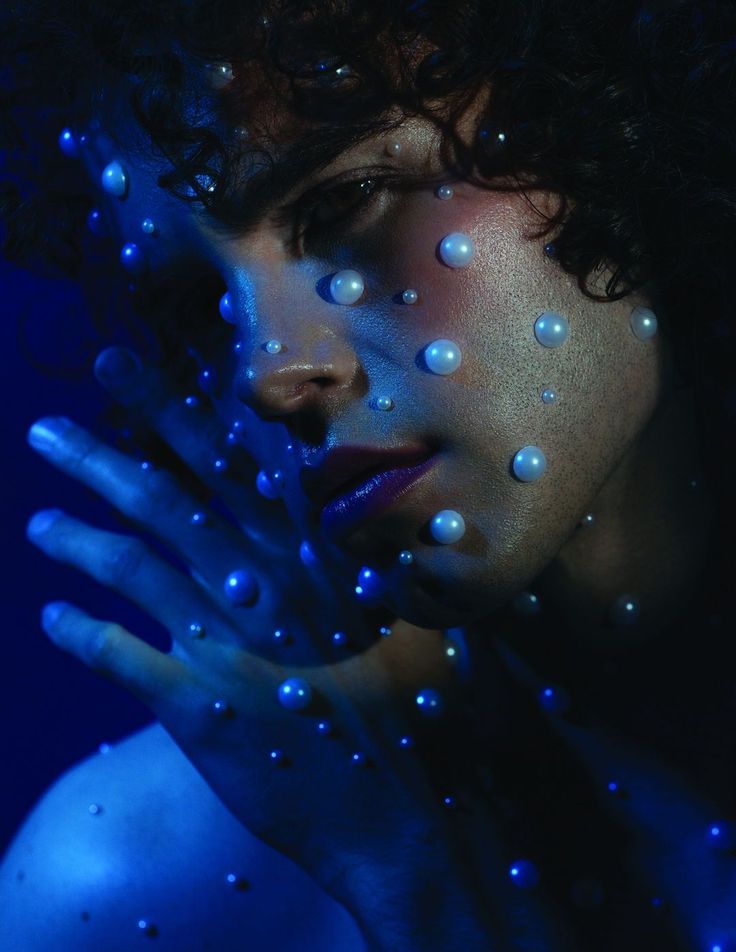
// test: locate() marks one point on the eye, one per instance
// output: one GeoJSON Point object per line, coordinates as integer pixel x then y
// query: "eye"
{"type": "Point", "coordinates": [340, 201]}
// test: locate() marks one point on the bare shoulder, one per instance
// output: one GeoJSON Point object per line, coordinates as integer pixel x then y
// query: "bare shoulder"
{"type": "Point", "coordinates": [131, 845]}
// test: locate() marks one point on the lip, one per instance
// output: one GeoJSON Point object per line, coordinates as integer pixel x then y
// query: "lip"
{"type": "Point", "coordinates": [379, 491]}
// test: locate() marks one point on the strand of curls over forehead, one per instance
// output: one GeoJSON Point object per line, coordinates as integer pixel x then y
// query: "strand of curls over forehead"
{"type": "Point", "coordinates": [624, 110]}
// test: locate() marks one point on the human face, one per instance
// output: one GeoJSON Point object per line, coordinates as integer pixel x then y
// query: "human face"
{"type": "Point", "coordinates": [319, 392]}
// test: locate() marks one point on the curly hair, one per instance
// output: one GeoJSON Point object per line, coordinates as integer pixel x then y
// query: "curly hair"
{"type": "Point", "coordinates": [627, 112]}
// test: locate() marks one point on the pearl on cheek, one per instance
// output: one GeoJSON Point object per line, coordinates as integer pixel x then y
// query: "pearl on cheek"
{"type": "Point", "coordinates": [457, 250]}
{"type": "Point", "coordinates": [443, 357]}
{"type": "Point", "coordinates": [68, 144]}
{"type": "Point", "coordinates": [148, 226]}
{"type": "Point", "coordinates": [529, 464]}
{"type": "Point", "coordinates": [273, 347]}
{"type": "Point", "coordinates": [551, 330]}
{"type": "Point", "coordinates": [347, 287]}
{"type": "Point", "coordinates": [447, 527]}
{"type": "Point", "coordinates": [410, 296]}
{"type": "Point", "coordinates": [241, 587]}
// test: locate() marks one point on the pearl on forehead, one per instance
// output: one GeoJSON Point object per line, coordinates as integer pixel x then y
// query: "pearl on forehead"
{"type": "Point", "coordinates": [551, 330]}
{"type": "Point", "coordinates": [443, 357]}
{"type": "Point", "coordinates": [347, 287]}
{"type": "Point", "coordinates": [447, 527]}
{"type": "Point", "coordinates": [643, 323]}
{"type": "Point", "coordinates": [132, 258]}
{"type": "Point", "coordinates": [529, 464]}
{"type": "Point", "coordinates": [294, 694]}
{"type": "Point", "coordinates": [114, 179]}
{"type": "Point", "coordinates": [226, 308]}
{"type": "Point", "coordinates": [457, 250]}
{"type": "Point", "coordinates": [410, 296]}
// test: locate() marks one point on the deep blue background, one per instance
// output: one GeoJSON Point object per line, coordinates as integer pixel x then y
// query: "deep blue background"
{"type": "Point", "coordinates": [54, 710]}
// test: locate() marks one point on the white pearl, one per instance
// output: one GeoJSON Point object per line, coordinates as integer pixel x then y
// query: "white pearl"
{"type": "Point", "coordinates": [445, 192]}
{"type": "Point", "coordinates": [457, 250]}
{"type": "Point", "coordinates": [443, 357]}
{"type": "Point", "coordinates": [529, 464]}
{"type": "Point", "coordinates": [447, 527]}
{"type": "Point", "coordinates": [551, 330]}
{"type": "Point", "coordinates": [549, 396]}
{"type": "Point", "coordinates": [274, 347]}
{"type": "Point", "coordinates": [226, 308]}
{"type": "Point", "coordinates": [643, 323]}
{"type": "Point", "coordinates": [410, 296]}
{"type": "Point", "coordinates": [347, 287]}
{"type": "Point", "coordinates": [385, 403]}
{"type": "Point", "coordinates": [148, 226]}
{"type": "Point", "coordinates": [294, 694]}
{"type": "Point", "coordinates": [114, 179]}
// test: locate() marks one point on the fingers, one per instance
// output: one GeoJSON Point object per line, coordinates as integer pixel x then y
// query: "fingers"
{"type": "Point", "coordinates": [111, 650]}
{"type": "Point", "coordinates": [153, 499]}
{"type": "Point", "coordinates": [126, 565]}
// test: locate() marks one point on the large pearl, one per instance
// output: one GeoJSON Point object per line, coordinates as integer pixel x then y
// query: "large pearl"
{"type": "Point", "coordinates": [529, 464]}
{"type": "Point", "coordinates": [226, 308]}
{"type": "Point", "coordinates": [643, 323]}
{"type": "Point", "coordinates": [457, 250]}
{"type": "Point", "coordinates": [132, 258]}
{"type": "Point", "coordinates": [443, 357]}
{"type": "Point", "coordinates": [114, 179]}
{"type": "Point", "coordinates": [347, 287]}
{"type": "Point", "coordinates": [295, 694]}
{"type": "Point", "coordinates": [241, 587]}
{"type": "Point", "coordinates": [447, 527]}
{"type": "Point", "coordinates": [551, 330]}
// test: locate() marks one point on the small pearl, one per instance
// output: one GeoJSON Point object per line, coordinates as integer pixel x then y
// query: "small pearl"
{"type": "Point", "coordinates": [274, 347]}
{"type": "Point", "coordinates": [95, 223]}
{"type": "Point", "coordinates": [384, 632]}
{"type": "Point", "coordinates": [226, 308]}
{"type": "Point", "coordinates": [104, 748]}
{"type": "Point", "coordinates": [132, 258]}
{"type": "Point", "coordinates": [370, 586]}
{"type": "Point", "coordinates": [95, 809]}
{"type": "Point", "coordinates": [307, 555]}
{"type": "Point", "coordinates": [360, 759]}
{"type": "Point", "coordinates": [237, 346]}
{"type": "Point", "coordinates": [588, 520]}
{"type": "Point", "coordinates": [526, 603]}
{"type": "Point", "coordinates": [443, 357]}
{"type": "Point", "coordinates": [148, 928]}
{"type": "Point", "coordinates": [445, 192]}
{"type": "Point", "coordinates": [241, 587]}
{"type": "Point", "coordinates": [238, 882]}
{"type": "Point", "coordinates": [222, 709]}
{"type": "Point", "coordinates": [68, 144]}
{"type": "Point", "coordinates": [191, 402]}
{"type": "Point", "coordinates": [278, 757]}
{"type": "Point", "coordinates": [643, 323]}
{"type": "Point", "coordinates": [267, 486]}
{"type": "Point", "coordinates": [450, 802]}
{"type": "Point", "coordinates": [324, 728]}
{"type": "Point", "coordinates": [339, 639]}
{"type": "Point", "coordinates": [385, 403]}
{"type": "Point", "coordinates": [281, 636]}
{"type": "Point", "coordinates": [410, 296]}
{"type": "Point", "coordinates": [207, 380]}
{"type": "Point", "coordinates": [524, 874]}
{"type": "Point", "coordinates": [148, 226]}
{"type": "Point", "coordinates": [220, 74]}
{"type": "Point", "coordinates": [550, 250]}
{"type": "Point", "coordinates": [554, 700]}
{"type": "Point", "coordinates": [294, 694]}
{"type": "Point", "coordinates": [529, 464]}
{"type": "Point", "coordinates": [625, 611]}
{"type": "Point", "coordinates": [447, 527]}
{"type": "Point", "coordinates": [220, 465]}
{"type": "Point", "coordinates": [551, 330]}
{"type": "Point", "coordinates": [393, 148]}
{"type": "Point", "coordinates": [429, 702]}
{"type": "Point", "coordinates": [196, 630]}
{"type": "Point", "coordinates": [406, 742]}
{"type": "Point", "coordinates": [346, 287]}
{"type": "Point", "coordinates": [406, 557]}
{"type": "Point", "coordinates": [457, 250]}
{"type": "Point", "coordinates": [549, 396]}
{"type": "Point", "coordinates": [114, 179]}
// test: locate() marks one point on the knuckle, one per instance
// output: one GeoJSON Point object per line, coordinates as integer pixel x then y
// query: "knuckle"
{"type": "Point", "coordinates": [122, 560]}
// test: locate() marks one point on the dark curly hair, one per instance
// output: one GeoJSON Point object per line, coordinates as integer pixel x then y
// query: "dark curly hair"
{"type": "Point", "coordinates": [627, 112]}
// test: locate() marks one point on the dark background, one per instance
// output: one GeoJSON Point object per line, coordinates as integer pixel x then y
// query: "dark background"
{"type": "Point", "coordinates": [54, 710]}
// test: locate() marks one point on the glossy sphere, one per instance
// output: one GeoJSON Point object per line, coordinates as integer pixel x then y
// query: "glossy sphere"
{"type": "Point", "coordinates": [307, 555]}
{"type": "Point", "coordinates": [273, 347]}
{"type": "Point", "coordinates": [148, 226]}
{"type": "Point", "coordinates": [68, 144]}
{"type": "Point", "coordinates": [549, 396]}
{"type": "Point", "coordinates": [443, 357]}
{"type": "Point", "coordinates": [294, 694]}
{"type": "Point", "coordinates": [406, 557]}
{"type": "Point", "coordinates": [625, 611]}
{"type": "Point", "coordinates": [410, 296]}
{"type": "Point", "coordinates": [196, 630]}
{"type": "Point", "coordinates": [347, 287]}
{"type": "Point", "coordinates": [445, 192]}
{"type": "Point", "coordinates": [226, 308]}
{"type": "Point", "coordinates": [643, 323]}
{"type": "Point", "coordinates": [339, 639]}
{"type": "Point", "coordinates": [369, 586]}
{"type": "Point", "coordinates": [241, 587]}
{"type": "Point", "coordinates": [526, 603]}
{"type": "Point", "coordinates": [94, 222]}
{"type": "Point", "coordinates": [551, 330]}
{"type": "Point", "coordinates": [266, 486]}
{"type": "Point", "coordinates": [429, 702]}
{"type": "Point", "coordinates": [384, 403]}
{"type": "Point", "coordinates": [114, 179]}
{"type": "Point", "coordinates": [457, 250]}
{"type": "Point", "coordinates": [132, 258]}
{"type": "Point", "coordinates": [554, 700]}
{"type": "Point", "coordinates": [524, 874]}
{"type": "Point", "coordinates": [447, 527]}
{"type": "Point", "coordinates": [529, 464]}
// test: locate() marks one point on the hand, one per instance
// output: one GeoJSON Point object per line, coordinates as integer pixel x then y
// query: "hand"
{"type": "Point", "coordinates": [341, 819]}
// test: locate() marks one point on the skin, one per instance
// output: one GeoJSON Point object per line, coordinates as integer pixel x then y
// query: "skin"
{"type": "Point", "coordinates": [621, 443]}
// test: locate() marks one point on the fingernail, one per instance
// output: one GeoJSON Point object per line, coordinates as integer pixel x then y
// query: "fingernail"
{"type": "Point", "coordinates": [116, 364]}
{"type": "Point", "coordinates": [42, 521]}
{"type": "Point", "coordinates": [50, 614]}
{"type": "Point", "coordinates": [44, 433]}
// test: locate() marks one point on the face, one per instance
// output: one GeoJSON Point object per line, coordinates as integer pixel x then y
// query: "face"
{"type": "Point", "coordinates": [360, 375]}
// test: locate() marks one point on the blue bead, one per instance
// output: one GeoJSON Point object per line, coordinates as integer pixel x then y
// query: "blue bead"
{"type": "Point", "coordinates": [447, 527]}
{"type": "Point", "coordinates": [114, 179]}
{"type": "Point", "coordinates": [222, 709]}
{"type": "Point", "coordinates": [384, 631]}
{"type": "Point", "coordinates": [266, 486]}
{"type": "Point", "coordinates": [526, 603]}
{"type": "Point", "coordinates": [278, 757]}
{"type": "Point", "coordinates": [306, 554]}
{"type": "Point", "coordinates": [294, 694]}
{"type": "Point", "coordinates": [132, 258]}
{"type": "Point", "coordinates": [429, 702]}
{"type": "Point", "coordinates": [549, 396]}
{"type": "Point", "coordinates": [281, 636]}
{"type": "Point", "coordinates": [241, 587]}
{"type": "Point", "coordinates": [529, 464]}
{"type": "Point", "coordinates": [68, 144]}
{"type": "Point", "coordinates": [196, 630]}
{"type": "Point", "coordinates": [191, 402]}
{"type": "Point", "coordinates": [370, 586]}
{"type": "Point", "coordinates": [148, 226]}
{"type": "Point", "coordinates": [360, 759]}
{"type": "Point", "coordinates": [524, 874]}
{"type": "Point", "coordinates": [722, 835]}
{"type": "Point", "coordinates": [554, 700]}
{"type": "Point", "coordinates": [226, 308]}
{"type": "Point", "coordinates": [324, 728]}
{"type": "Point", "coordinates": [406, 557]}
{"type": "Point", "coordinates": [95, 223]}
{"type": "Point", "coordinates": [220, 465]}
{"type": "Point", "coordinates": [643, 323]}
{"type": "Point", "coordinates": [551, 330]}
{"type": "Point", "coordinates": [207, 380]}
{"type": "Point", "coordinates": [339, 638]}
{"type": "Point", "coordinates": [450, 802]}
{"type": "Point", "coordinates": [406, 742]}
